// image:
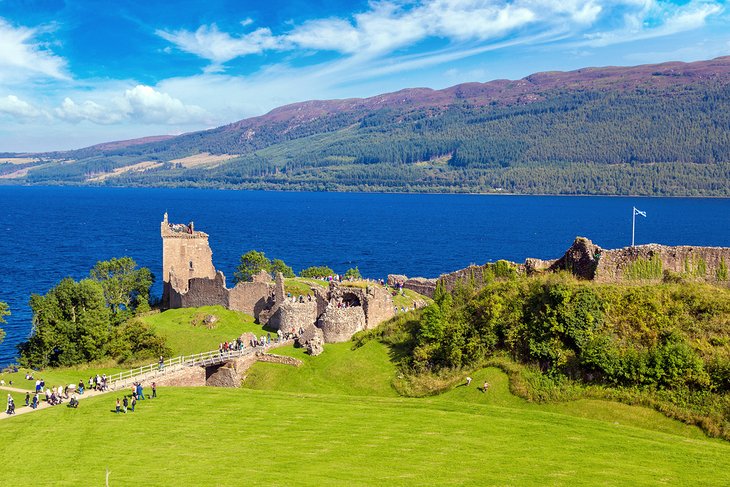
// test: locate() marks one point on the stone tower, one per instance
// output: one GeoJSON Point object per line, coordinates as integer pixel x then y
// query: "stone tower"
{"type": "Point", "coordinates": [185, 255]}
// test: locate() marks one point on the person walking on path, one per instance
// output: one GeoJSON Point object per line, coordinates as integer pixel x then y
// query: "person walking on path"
{"type": "Point", "coordinates": [34, 404]}
{"type": "Point", "coordinates": [118, 406]}
{"type": "Point", "coordinates": [27, 398]}
{"type": "Point", "coordinates": [154, 389]}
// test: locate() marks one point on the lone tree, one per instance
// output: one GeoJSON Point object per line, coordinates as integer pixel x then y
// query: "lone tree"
{"type": "Point", "coordinates": [252, 262]}
{"type": "Point", "coordinates": [125, 287]}
{"type": "Point", "coordinates": [278, 265]}
{"type": "Point", "coordinates": [4, 311]}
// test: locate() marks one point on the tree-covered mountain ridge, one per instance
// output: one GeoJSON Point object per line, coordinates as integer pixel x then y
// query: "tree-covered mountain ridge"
{"type": "Point", "coordinates": [651, 130]}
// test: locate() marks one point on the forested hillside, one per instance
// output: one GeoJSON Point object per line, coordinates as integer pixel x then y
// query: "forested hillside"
{"type": "Point", "coordinates": [650, 130]}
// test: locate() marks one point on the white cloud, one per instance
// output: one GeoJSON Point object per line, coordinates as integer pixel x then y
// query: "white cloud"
{"type": "Point", "coordinates": [219, 47]}
{"type": "Point", "coordinates": [149, 105]}
{"type": "Point", "coordinates": [389, 25]}
{"type": "Point", "coordinates": [141, 103]}
{"type": "Point", "coordinates": [19, 109]}
{"type": "Point", "coordinates": [654, 19]}
{"type": "Point", "coordinates": [23, 56]}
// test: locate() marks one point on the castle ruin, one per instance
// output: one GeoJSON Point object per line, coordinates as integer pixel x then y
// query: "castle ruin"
{"type": "Point", "coordinates": [336, 310]}
{"type": "Point", "coordinates": [588, 261]}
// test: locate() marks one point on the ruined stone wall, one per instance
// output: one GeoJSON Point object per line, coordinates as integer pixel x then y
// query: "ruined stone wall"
{"type": "Point", "coordinates": [249, 297]}
{"type": "Point", "coordinates": [421, 285]}
{"type": "Point", "coordinates": [692, 262]}
{"type": "Point", "coordinates": [586, 260]}
{"type": "Point", "coordinates": [378, 306]}
{"type": "Point", "coordinates": [279, 359]}
{"type": "Point", "coordinates": [202, 292]}
{"type": "Point", "coordinates": [339, 324]}
{"type": "Point", "coordinates": [292, 316]}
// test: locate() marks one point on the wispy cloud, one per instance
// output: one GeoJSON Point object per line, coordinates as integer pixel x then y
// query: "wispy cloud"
{"type": "Point", "coordinates": [23, 55]}
{"type": "Point", "coordinates": [656, 19]}
{"type": "Point", "coordinates": [376, 41]}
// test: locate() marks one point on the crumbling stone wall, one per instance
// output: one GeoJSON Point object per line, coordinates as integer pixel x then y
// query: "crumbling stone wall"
{"type": "Point", "coordinates": [587, 260]}
{"type": "Point", "coordinates": [292, 316]}
{"type": "Point", "coordinates": [377, 305]}
{"type": "Point", "coordinates": [201, 292]}
{"type": "Point", "coordinates": [250, 297]}
{"type": "Point", "coordinates": [421, 285]}
{"type": "Point", "coordinates": [339, 324]}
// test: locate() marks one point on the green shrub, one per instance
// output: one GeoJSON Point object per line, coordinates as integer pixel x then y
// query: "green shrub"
{"type": "Point", "coordinates": [316, 271]}
{"type": "Point", "coordinates": [643, 269]}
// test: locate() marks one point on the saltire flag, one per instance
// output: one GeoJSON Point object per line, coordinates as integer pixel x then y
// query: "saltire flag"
{"type": "Point", "coordinates": [639, 212]}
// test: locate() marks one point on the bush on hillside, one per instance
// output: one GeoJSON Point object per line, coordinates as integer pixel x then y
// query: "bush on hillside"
{"type": "Point", "coordinates": [316, 272]}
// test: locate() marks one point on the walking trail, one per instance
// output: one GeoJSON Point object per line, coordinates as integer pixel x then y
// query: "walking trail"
{"type": "Point", "coordinates": [147, 373]}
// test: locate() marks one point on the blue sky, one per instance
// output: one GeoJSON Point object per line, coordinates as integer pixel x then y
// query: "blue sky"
{"type": "Point", "coordinates": [74, 73]}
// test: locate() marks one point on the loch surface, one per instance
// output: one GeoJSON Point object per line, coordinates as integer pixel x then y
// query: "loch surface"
{"type": "Point", "coordinates": [48, 233]}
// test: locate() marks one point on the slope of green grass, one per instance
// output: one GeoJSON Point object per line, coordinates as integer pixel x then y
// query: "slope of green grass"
{"type": "Point", "coordinates": [176, 325]}
{"type": "Point", "coordinates": [366, 371]}
{"type": "Point", "coordinates": [211, 436]}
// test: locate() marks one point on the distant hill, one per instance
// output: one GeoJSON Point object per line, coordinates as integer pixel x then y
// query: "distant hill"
{"type": "Point", "coordinates": [651, 130]}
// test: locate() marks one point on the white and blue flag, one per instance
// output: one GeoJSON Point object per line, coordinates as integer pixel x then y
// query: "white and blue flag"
{"type": "Point", "coordinates": [639, 212]}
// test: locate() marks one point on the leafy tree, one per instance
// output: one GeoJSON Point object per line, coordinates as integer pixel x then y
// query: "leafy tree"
{"type": "Point", "coordinates": [278, 265]}
{"type": "Point", "coordinates": [4, 311]}
{"type": "Point", "coordinates": [125, 287]}
{"type": "Point", "coordinates": [252, 262]}
{"type": "Point", "coordinates": [71, 324]}
{"type": "Point", "coordinates": [135, 339]}
{"type": "Point", "coordinates": [353, 274]}
{"type": "Point", "coordinates": [317, 271]}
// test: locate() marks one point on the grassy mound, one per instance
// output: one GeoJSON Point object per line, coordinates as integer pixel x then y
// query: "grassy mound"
{"type": "Point", "coordinates": [366, 371]}
{"type": "Point", "coordinates": [185, 333]}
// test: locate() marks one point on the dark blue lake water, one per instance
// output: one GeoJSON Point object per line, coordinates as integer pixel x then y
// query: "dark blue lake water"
{"type": "Point", "coordinates": [47, 233]}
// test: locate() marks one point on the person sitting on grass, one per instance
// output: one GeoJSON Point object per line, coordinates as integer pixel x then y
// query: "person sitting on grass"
{"type": "Point", "coordinates": [73, 403]}
{"type": "Point", "coordinates": [486, 387]}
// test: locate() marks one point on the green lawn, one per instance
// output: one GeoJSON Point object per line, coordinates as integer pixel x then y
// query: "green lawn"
{"type": "Point", "coordinates": [338, 370]}
{"type": "Point", "coordinates": [185, 339]}
{"type": "Point", "coordinates": [210, 436]}
{"type": "Point", "coordinates": [337, 421]}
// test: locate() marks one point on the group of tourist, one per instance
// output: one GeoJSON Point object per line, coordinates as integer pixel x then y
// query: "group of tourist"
{"type": "Point", "coordinates": [129, 401]}
{"type": "Point", "coordinates": [300, 299]}
{"type": "Point", "coordinates": [232, 346]}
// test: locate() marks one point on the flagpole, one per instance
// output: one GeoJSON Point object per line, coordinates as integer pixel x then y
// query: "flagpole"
{"type": "Point", "coordinates": [633, 224]}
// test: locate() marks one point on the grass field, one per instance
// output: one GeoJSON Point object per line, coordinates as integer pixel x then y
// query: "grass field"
{"type": "Point", "coordinates": [184, 338]}
{"type": "Point", "coordinates": [336, 420]}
